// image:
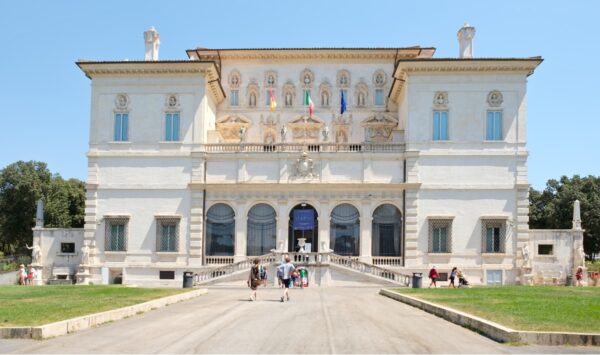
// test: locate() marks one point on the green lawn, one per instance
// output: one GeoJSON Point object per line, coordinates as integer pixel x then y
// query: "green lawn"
{"type": "Point", "coordinates": [541, 308]}
{"type": "Point", "coordinates": [37, 305]}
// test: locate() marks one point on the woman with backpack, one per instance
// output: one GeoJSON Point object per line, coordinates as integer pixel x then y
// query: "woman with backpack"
{"type": "Point", "coordinates": [254, 279]}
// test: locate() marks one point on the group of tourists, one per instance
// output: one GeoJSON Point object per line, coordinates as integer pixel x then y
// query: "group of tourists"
{"type": "Point", "coordinates": [455, 273]}
{"type": "Point", "coordinates": [258, 276]}
{"type": "Point", "coordinates": [26, 277]}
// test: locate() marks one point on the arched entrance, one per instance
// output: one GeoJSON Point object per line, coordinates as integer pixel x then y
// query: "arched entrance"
{"type": "Point", "coordinates": [303, 224]}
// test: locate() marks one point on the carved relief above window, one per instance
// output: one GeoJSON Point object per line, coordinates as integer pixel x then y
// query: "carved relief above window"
{"type": "Point", "coordinates": [343, 78]}
{"type": "Point", "coordinates": [232, 128]}
{"type": "Point", "coordinates": [122, 102]}
{"type": "Point", "coordinates": [289, 94]}
{"type": "Point", "coordinates": [253, 94]}
{"type": "Point", "coordinates": [495, 98]}
{"type": "Point", "coordinates": [307, 78]}
{"type": "Point", "coordinates": [269, 127]}
{"type": "Point", "coordinates": [234, 79]}
{"type": "Point", "coordinates": [440, 99]}
{"type": "Point", "coordinates": [362, 92]}
{"type": "Point", "coordinates": [325, 94]}
{"type": "Point", "coordinates": [172, 102]}
{"type": "Point", "coordinates": [306, 129]}
{"type": "Point", "coordinates": [379, 78]}
{"type": "Point", "coordinates": [342, 125]}
{"type": "Point", "coordinates": [379, 127]}
{"type": "Point", "coordinates": [270, 79]}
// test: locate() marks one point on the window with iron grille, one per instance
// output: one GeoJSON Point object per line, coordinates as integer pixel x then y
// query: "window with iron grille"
{"type": "Point", "coordinates": [493, 236]}
{"type": "Point", "coordinates": [440, 235]}
{"type": "Point", "coordinates": [116, 233]}
{"type": "Point", "coordinates": [167, 233]}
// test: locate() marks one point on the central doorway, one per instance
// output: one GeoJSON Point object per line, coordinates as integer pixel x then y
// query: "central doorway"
{"type": "Point", "coordinates": [303, 224]}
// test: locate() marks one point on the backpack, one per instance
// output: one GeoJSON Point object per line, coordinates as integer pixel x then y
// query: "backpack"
{"type": "Point", "coordinates": [263, 273]}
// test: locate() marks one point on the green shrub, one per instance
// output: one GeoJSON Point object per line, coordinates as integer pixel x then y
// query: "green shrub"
{"type": "Point", "coordinates": [593, 265]}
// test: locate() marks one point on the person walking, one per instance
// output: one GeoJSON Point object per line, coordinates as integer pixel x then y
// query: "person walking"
{"type": "Point", "coordinates": [31, 275]}
{"type": "Point", "coordinates": [286, 273]}
{"type": "Point", "coordinates": [254, 279]}
{"type": "Point", "coordinates": [22, 273]}
{"type": "Point", "coordinates": [579, 276]}
{"type": "Point", "coordinates": [452, 277]}
{"type": "Point", "coordinates": [433, 275]}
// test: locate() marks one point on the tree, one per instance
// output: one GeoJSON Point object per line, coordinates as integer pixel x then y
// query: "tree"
{"type": "Point", "coordinates": [553, 207]}
{"type": "Point", "coordinates": [21, 185]}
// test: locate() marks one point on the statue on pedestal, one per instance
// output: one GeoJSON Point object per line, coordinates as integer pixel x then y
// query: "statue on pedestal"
{"type": "Point", "coordinates": [36, 254]}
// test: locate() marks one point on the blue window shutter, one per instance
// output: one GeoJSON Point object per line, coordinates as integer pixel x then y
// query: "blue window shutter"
{"type": "Point", "coordinates": [498, 125]}
{"type": "Point", "coordinates": [489, 128]}
{"type": "Point", "coordinates": [436, 125]}
{"type": "Point", "coordinates": [168, 124]}
{"type": "Point", "coordinates": [125, 127]}
{"type": "Point", "coordinates": [176, 127]}
{"type": "Point", "coordinates": [117, 135]}
{"type": "Point", "coordinates": [444, 126]}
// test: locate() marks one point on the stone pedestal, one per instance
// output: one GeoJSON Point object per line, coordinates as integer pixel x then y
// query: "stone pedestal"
{"type": "Point", "coordinates": [39, 270]}
{"type": "Point", "coordinates": [83, 275]}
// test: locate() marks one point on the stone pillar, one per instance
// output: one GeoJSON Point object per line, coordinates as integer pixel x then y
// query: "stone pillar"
{"type": "Point", "coordinates": [324, 225]}
{"type": "Point", "coordinates": [366, 238]}
{"type": "Point", "coordinates": [411, 230]}
{"type": "Point", "coordinates": [283, 221]}
{"type": "Point", "coordinates": [241, 222]}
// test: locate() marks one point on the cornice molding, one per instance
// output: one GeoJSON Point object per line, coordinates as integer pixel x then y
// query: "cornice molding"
{"type": "Point", "coordinates": [291, 187]}
{"type": "Point", "coordinates": [406, 67]}
{"type": "Point", "coordinates": [149, 68]}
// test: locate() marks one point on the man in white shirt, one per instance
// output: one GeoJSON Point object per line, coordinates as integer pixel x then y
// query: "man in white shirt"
{"type": "Point", "coordinates": [286, 270]}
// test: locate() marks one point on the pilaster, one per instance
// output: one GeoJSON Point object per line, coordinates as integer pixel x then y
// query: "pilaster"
{"type": "Point", "coordinates": [241, 220]}
{"type": "Point", "coordinates": [366, 237]}
{"type": "Point", "coordinates": [411, 228]}
{"type": "Point", "coordinates": [283, 221]}
{"type": "Point", "coordinates": [324, 223]}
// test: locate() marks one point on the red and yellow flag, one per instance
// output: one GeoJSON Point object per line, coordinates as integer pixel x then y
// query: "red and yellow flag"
{"type": "Point", "coordinates": [272, 101]}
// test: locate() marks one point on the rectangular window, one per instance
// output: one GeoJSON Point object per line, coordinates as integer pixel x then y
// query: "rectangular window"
{"type": "Point", "coordinates": [439, 235]}
{"type": "Point", "coordinates": [379, 99]}
{"type": "Point", "coordinates": [116, 234]}
{"type": "Point", "coordinates": [494, 277]}
{"type": "Point", "coordinates": [172, 127]}
{"type": "Point", "coordinates": [545, 249]}
{"type": "Point", "coordinates": [493, 128]}
{"type": "Point", "coordinates": [268, 97]}
{"type": "Point", "coordinates": [166, 275]}
{"type": "Point", "coordinates": [121, 127]}
{"type": "Point", "coordinates": [440, 125]}
{"type": "Point", "coordinates": [167, 232]}
{"type": "Point", "coordinates": [67, 248]}
{"type": "Point", "coordinates": [493, 236]}
{"type": "Point", "coordinates": [234, 98]}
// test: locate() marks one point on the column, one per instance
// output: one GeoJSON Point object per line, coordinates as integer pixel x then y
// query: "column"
{"type": "Point", "coordinates": [241, 221]}
{"type": "Point", "coordinates": [411, 229]}
{"type": "Point", "coordinates": [366, 233]}
{"type": "Point", "coordinates": [283, 220]}
{"type": "Point", "coordinates": [324, 225]}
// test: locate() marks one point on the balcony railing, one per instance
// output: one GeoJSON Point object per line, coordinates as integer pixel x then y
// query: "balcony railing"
{"type": "Point", "coordinates": [304, 147]}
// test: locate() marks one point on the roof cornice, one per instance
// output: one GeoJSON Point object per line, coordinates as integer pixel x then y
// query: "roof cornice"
{"type": "Point", "coordinates": [406, 67]}
{"type": "Point", "coordinates": [321, 54]}
{"type": "Point", "coordinates": [209, 70]}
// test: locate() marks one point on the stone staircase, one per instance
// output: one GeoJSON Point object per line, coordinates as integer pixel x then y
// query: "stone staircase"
{"type": "Point", "coordinates": [320, 266]}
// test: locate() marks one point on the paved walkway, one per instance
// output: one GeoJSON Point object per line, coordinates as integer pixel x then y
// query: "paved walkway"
{"type": "Point", "coordinates": [316, 320]}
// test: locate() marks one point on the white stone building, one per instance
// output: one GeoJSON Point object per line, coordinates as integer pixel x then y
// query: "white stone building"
{"type": "Point", "coordinates": [426, 166]}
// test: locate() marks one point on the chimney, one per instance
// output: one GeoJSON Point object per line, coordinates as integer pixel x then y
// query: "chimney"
{"type": "Point", "coordinates": [465, 41]}
{"type": "Point", "coordinates": [152, 41]}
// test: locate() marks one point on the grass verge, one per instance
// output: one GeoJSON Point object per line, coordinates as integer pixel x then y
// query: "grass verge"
{"type": "Point", "coordinates": [544, 308]}
{"type": "Point", "coordinates": [33, 306]}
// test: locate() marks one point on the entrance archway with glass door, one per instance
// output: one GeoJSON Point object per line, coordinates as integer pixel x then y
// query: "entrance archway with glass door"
{"type": "Point", "coordinates": [261, 230]}
{"type": "Point", "coordinates": [303, 224]}
{"type": "Point", "coordinates": [387, 231]}
{"type": "Point", "coordinates": [345, 230]}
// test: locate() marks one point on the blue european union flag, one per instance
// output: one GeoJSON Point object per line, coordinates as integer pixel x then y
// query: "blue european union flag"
{"type": "Point", "coordinates": [343, 104]}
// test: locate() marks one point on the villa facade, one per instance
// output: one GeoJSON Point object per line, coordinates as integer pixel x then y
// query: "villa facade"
{"type": "Point", "coordinates": [398, 159]}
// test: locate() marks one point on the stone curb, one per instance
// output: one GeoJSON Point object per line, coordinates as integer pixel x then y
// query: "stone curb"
{"type": "Point", "coordinates": [84, 322]}
{"type": "Point", "coordinates": [493, 330]}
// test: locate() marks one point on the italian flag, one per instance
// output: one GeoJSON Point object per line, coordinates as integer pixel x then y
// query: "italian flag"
{"type": "Point", "coordinates": [308, 101]}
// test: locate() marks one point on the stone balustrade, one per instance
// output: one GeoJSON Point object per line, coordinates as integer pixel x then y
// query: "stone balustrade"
{"type": "Point", "coordinates": [303, 147]}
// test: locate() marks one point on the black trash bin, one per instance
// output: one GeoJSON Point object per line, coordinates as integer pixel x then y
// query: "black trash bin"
{"type": "Point", "coordinates": [569, 280]}
{"type": "Point", "coordinates": [188, 279]}
{"type": "Point", "coordinates": [417, 279]}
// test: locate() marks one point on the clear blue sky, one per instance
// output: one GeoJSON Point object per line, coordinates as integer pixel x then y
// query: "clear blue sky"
{"type": "Point", "coordinates": [45, 98]}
